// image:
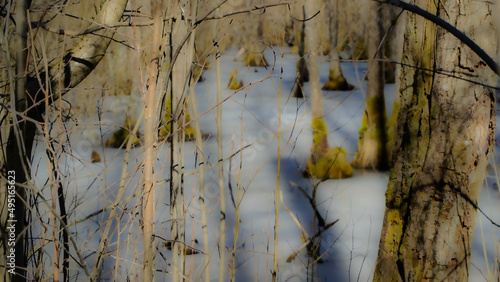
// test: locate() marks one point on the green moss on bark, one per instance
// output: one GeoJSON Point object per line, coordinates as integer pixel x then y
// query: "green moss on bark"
{"type": "Point", "coordinates": [360, 50]}
{"type": "Point", "coordinates": [165, 130]}
{"type": "Point", "coordinates": [319, 131]}
{"type": "Point", "coordinates": [122, 135]}
{"type": "Point", "coordinates": [233, 83]}
{"type": "Point", "coordinates": [391, 128]}
{"type": "Point", "coordinates": [294, 49]}
{"type": "Point", "coordinates": [331, 165]}
{"type": "Point", "coordinates": [373, 139]}
{"type": "Point", "coordinates": [324, 162]}
{"type": "Point", "coordinates": [254, 58]}
{"type": "Point", "coordinates": [336, 82]}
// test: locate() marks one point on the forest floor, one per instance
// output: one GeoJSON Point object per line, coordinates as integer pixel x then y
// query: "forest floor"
{"type": "Point", "coordinates": [250, 117]}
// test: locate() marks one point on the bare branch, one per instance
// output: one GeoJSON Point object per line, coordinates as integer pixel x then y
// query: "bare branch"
{"type": "Point", "coordinates": [148, 23]}
{"type": "Point", "coordinates": [448, 27]}
{"type": "Point", "coordinates": [245, 10]}
{"type": "Point", "coordinates": [90, 29]}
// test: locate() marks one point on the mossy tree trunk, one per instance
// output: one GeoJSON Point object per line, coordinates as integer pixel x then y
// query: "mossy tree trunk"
{"type": "Point", "coordinates": [176, 111]}
{"type": "Point", "coordinates": [324, 162]}
{"type": "Point", "coordinates": [372, 144]}
{"type": "Point", "coordinates": [444, 136]}
{"type": "Point", "coordinates": [63, 74]}
{"type": "Point", "coordinates": [336, 80]}
{"type": "Point", "coordinates": [254, 57]}
{"type": "Point", "coordinates": [397, 53]}
{"type": "Point", "coordinates": [392, 52]}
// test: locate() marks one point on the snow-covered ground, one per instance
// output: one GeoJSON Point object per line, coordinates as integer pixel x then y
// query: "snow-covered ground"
{"type": "Point", "coordinates": [250, 117]}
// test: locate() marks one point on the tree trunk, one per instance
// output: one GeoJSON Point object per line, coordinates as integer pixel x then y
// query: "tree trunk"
{"type": "Point", "coordinates": [397, 53]}
{"type": "Point", "coordinates": [324, 161]}
{"type": "Point", "coordinates": [15, 162]}
{"type": "Point", "coordinates": [392, 52]}
{"type": "Point", "coordinates": [63, 74]}
{"type": "Point", "coordinates": [372, 144]}
{"type": "Point", "coordinates": [181, 78]}
{"type": "Point", "coordinates": [445, 134]}
{"type": "Point", "coordinates": [254, 55]}
{"type": "Point", "coordinates": [302, 71]}
{"type": "Point", "coordinates": [181, 53]}
{"type": "Point", "coordinates": [336, 80]}
{"type": "Point", "coordinates": [150, 138]}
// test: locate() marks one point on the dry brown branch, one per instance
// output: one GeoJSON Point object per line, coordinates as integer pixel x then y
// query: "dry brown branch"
{"type": "Point", "coordinates": [98, 27]}
{"type": "Point", "coordinates": [90, 29]}
{"type": "Point", "coordinates": [448, 27]}
{"type": "Point", "coordinates": [295, 219]}
{"type": "Point", "coordinates": [307, 242]}
{"type": "Point", "coordinates": [246, 10]}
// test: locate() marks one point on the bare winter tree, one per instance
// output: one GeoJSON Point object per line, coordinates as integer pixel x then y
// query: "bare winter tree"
{"type": "Point", "coordinates": [336, 80]}
{"type": "Point", "coordinates": [184, 13]}
{"type": "Point", "coordinates": [444, 136]}
{"type": "Point", "coordinates": [27, 90]}
{"type": "Point", "coordinates": [373, 140]}
{"type": "Point", "coordinates": [150, 139]}
{"type": "Point", "coordinates": [24, 99]}
{"type": "Point", "coordinates": [325, 162]}
{"type": "Point", "coordinates": [302, 70]}
{"type": "Point", "coordinates": [254, 55]}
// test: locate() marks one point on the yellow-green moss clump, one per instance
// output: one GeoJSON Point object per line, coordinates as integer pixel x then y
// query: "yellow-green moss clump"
{"type": "Point", "coordinates": [122, 134]}
{"type": "Point", "coordinates": [336, 82]}
{"type": "Point", "coordinates": [165, 130]}
{"type": "Point", "coordinates": [331, 165]}
{"type": "Point", "coordinates": [324, 162]}
{"type": "Point", "coordinates": [373, 143]}
{"type": "Point", "coordinates": [95, 157]}
{"type": "Point", "coordinates": [189, 132]}
{"type": "Point", "coordinates": [255, 59]}
{"type": "Point", "coordinates": [360, 51]}
{"type": "Point", "coordinates": [320, 135]}
{"type": "Point", "coordinates": [233, 81]}
{"type": "Point", "coordinates": [391, 128]}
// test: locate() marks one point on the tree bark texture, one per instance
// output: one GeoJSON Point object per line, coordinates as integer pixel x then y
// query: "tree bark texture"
{"type": "Point", "coordinates": [320, 136]}
{"type": "Point", "coordinates": [444, 136]}
{"type": "Point", "coordinates": [336, 80]}
{"type": "Point", "coordinates": [150, 138]}
{"type": "Point", "coordinates": [334, 52]}
{"type": "Point", "coordinates": [324, 162]}
{"type": "Point", "coordinates": [185, 13]}
{"type": "Point", "coordinates": [14, 163]}
{"type": "Point", "coordinates": [302, 70]}
{"type": "Point", "coordinates": [63, 74]}
{"type": "Point", "coordinates": [372, 145]}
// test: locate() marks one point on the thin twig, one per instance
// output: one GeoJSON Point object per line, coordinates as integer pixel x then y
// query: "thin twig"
{"type": "Point", "coordinates": [295, 219]}
{"type": "Point", "coordinates": [88, 30]}
{"type": "Point", "coordinates": [306, 243]}
{"type": "Point", "coordinates": [245, 10]}
{"type": "Point", "coordinates": [321, 221]}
